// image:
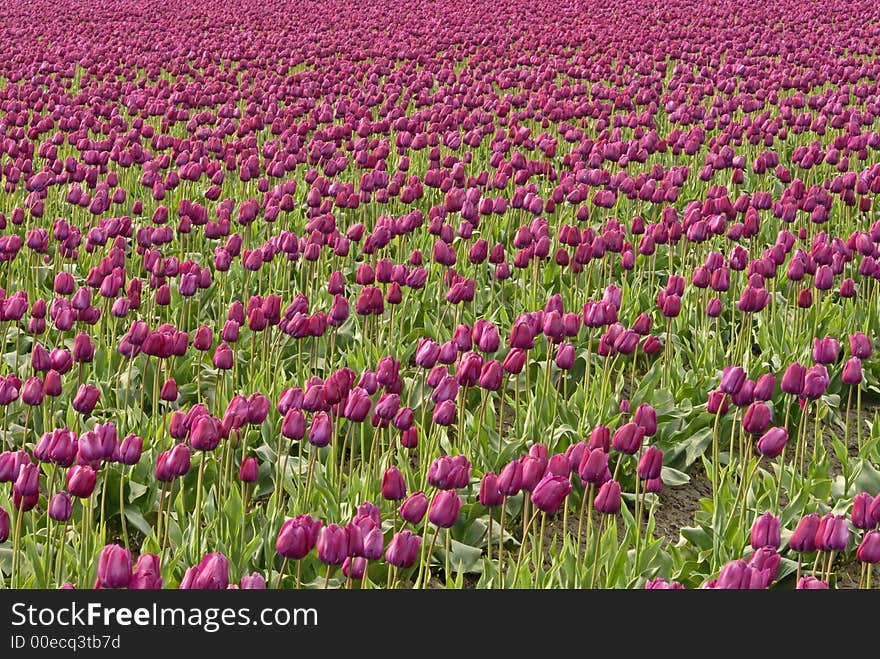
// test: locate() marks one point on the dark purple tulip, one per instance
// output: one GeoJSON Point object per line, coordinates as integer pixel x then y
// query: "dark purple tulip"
{"type": "Point", "coordinates": [718, 403]}
{"type": "Point", "coordinates": [825, 350]}
{"type": "Point", "coordinates": [510, 478]}
{"type": "Point", "coordinates": [444, 413]}
{"type": "Point", "coordinates": [60, 507]}
{"type": "Point", "coordinates": [765, 532]}
{"type": "Point", "coordinates": [816, 382]}
{"type": "Point", "coordinates": [861, 511]}
{"type": "Point", "coordinates": [211, 574]}
{"type": "Point", "coordinates": [32, 391]}
{"type": "Point", "coordinates": [413, 509]}
{"type": "Point", "coordinates": [223, 357]}
{"type": "Point", "coordinates": [255, 581]}
{"type": "Point", "coordinates": [869, 549]}
{"type": "Point", "coordinates": [575, 453]}
{"type": "Point", "coordinates": [373, 543]}
{"type": "Point", "coordinates": [533, 469]}
{"type": "Point", "coordinates": [4, 525]}
{"type": "Point", "coordinates": [608, 499]}
{"type": "Point", "coordinates": [297, 537]}
{"type": "Point", "coordinates": [628, 438]}
{"type": "Point", "coordinates": [732, 380]}
{"type": "Point", "coordinates": [515, 361]}
{"type": "Point", "coordinates": [593, 465]}
{"type": "Point", "coordinates": [803, 540]}
{"type": "Point", "coordinates": [646, 417]}
{"type": "Point", "coordinates": [249, 470]}
{"type": "Point", "coordinates": [772, 442]}
{"type": "Point", "coordinates": [358, 405]}
{"type": "Point", "coordinates": [205, 433]}
{"type": "Point", "coordinates": [169, 391]}
{"type": "Point", "coordinates": [852, 372]}
{"type": "Point", "coordinates": [293, 426]}
{"type": "Point", "coordinates": [83, 348]}
{"type": "Point", "coordinates": [549, 494]}
{"type": "Point", "coordinates": [764, 387]}
{"type": "Point", "coordinates": [321, 430]}
{"type": "Point", "coordinates": [490, 496]}
{"type": "Point", "coordinates": [146, 574]}
{"type": "Point", "coordinates": [757, 418]}
{"type": "Point", "coordinates": [130, 450]}
{"type": "Point", "coordinates": [444, 508]}
{"type": "Point", "coordinates": [403, 550]}
{"type": "Point", "coordinates": [793, 379]}
{"type": "Point", "coordinates": [332, 545]}
{"type": "Point", "coordinates": [393, 486]}
{"type": "Point", "coordinates": [808, 582]}
{"type": "Point", "coordinates": [650, 464]}
{"type": "Point", "coordinates": [179, 459]}
{"type": "Point", "coordinates": [832, 533]}
{"type": "Point", "coordinates": [860, 345]}
{"type": "Point", "coordinates": [86, 398]}
{"type": "Point", "coordinates": [202, 339]}
{"type": "Point", "coordinates": [600, 437]}
{"type": "Point", "coordinates": [114, 567]}
{"type": "Point", "coordinates": [52, 383]}
{"type": "Point", "coordinates": [27, 483]}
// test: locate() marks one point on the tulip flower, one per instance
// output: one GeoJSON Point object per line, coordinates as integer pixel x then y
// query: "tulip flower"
{"type": "Point", "coordinates": [114, 567]}
{"type": "Point", "coordinates": [393, 486]}
{"type": "Point", "coordinates": [549, 494]}
{"type": "Point", "coordinates": [403, 550]}
{"type": "Point", "coordinates": [414, 508]}
{"type": "Point", "coordinates": [765, 532]}
{"type": "Point", "coordinates": [444, 509]}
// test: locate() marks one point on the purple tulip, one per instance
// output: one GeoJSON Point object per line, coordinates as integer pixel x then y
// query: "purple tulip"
{"type": "Point", "coordinates": [403, 550]}
{"type": "Point", "coordinates": [332, 545]}
{"type": "Point", "coordinates": [146, 574]}
{"type": "Point", "coordinates": [549, 494]}
{"type": "Point", "coordinates": [114, 567]}
{"type": "Point", "coordinates": [297, 537]}
{"type": "Point", "coordinates": [444, 509]}
{"type": "Point", "coordinates": [608, 499]}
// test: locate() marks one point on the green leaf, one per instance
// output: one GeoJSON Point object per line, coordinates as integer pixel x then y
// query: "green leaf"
{"type": "Point", "coordinates": [674, 477]}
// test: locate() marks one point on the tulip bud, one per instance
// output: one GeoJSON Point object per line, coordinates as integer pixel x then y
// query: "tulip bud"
{"type": "Point", "coordinates": [249, 470]}
{"type": "Point", "coordinates": [772, 442]}
{"type": "Point", "coordinates": [869, 549]}
{"type": "Point", "coordinates": [413, 509]}
{"type": "Point", "coordinates": [861, 511]}
{"type": "Point", "coordinates": [832, 533]}
{"type": "Point", "coordinates": [549, 494]}
{"type": "Point", "coordinates": [757, 418]}
{"type": "Point", "coordinates": [809, 582]}
{"type": "Point", "coordinates": [321, 430]}
{"type": "Point", "coordinates": [650, 464]}
{"type": "Point", "coordinates": [628, 438]}
{"type": "Point", "coordinates": [146, 574]}
{"type": "Point", "coordinates": [765, 532]}
{"type": "Point", "coordinates": [332, 545]}
{"type": "Point", "coordinates": [393, 486]}
{"type": "Point", "coordinates": [444, 508]}
{"type": "Point", "coordinates": [403, 550]}
{"type": "Point", "coordinates": [852, 372]}
{"type": "Point", "coordinates": [114, 567]}
{"type": "Point", "coordinates": [297, 537]}
{"type": "Point", "coordinates": [608, 499]}
{"type": "Point", "coordinates": [60, 507]}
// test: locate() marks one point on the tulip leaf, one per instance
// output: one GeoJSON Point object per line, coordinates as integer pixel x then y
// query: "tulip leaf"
{"type": "Point", "coordinates": [136, 519]}
{"type": "Point", "coordinates": [673, 477]}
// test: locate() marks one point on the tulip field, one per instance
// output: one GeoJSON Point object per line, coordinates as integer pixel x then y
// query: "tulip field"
{"type": "Point", "coordinates": [460, 294]}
